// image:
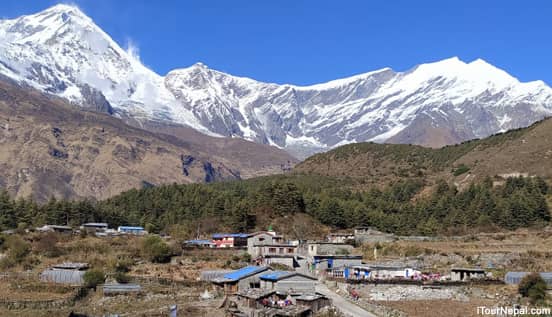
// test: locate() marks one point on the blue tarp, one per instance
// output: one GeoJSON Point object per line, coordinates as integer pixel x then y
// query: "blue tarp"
{"type": "Point", "coordinates": [244, 272]}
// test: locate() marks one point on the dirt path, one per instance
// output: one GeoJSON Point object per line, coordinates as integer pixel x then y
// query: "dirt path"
{"type": "Point", "coordinates": [346, 307]}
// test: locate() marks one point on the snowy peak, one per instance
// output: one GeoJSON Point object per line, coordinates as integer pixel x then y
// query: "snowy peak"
{"type": "Point", "coordinates": [62, 51]}
{"type": "Point", "coordinates": [477, 72]}
{"type": "Point", "coordinates": [46, 26]}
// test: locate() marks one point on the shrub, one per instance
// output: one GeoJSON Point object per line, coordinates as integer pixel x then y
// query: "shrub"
{"type": "Point", "coordinates": [93, 278]}
{"type": "Point", "coordinates": [17, 251]}
{"type": "Point", "coordinates": [246, 257]}
{"type": "Point", "coordinates": [121, 277]}
{"type": "Point", "coordinates": [47, 245]}
{"type": "Point", "coordinates": [461, 169]}
{"type": "Point", "coordinates": [123, 265]}
{"type": "Point", "coordinates": [342, 251]}
{"type": "Point", "coordinates": [533, 287]}
{"type": "Point", "coordinates": [156, 250]}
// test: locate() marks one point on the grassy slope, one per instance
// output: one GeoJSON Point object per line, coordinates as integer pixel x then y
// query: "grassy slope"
{"type": "Point", "coordinates": [523, 150]}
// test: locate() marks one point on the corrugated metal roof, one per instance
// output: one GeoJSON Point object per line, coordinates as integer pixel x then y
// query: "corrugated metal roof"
{"type": "Point", "coordinates": [71, 266]}
{"type": "Point", "coordinates": [244, 272]}
{"type": "Point", "coordinates": [121, 288]}
{"type": "Point", "coordinates": [231, 235]}
{"type": "Point", "coordinates": [276, 275]}
{"type": "Point", "coordinates": [95, 224]}
{"type": "Point", "coordinates": [71, 277]}
{"type": "Point", "coordinates": [197, 241]}
{"type": "Point", "coordinates": [516, 277]}
{"type": "Point", "coordinates": [212, 275]}
{"type": "Point", "coordinates": [280, 275]}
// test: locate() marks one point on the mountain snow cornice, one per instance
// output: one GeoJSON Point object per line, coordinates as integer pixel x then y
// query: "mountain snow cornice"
{"type": "Point", "coordinates": [63, 52]}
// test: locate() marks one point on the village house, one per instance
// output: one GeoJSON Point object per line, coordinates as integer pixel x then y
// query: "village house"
{"type": "Point", "coordinates": [371, 235]}
{"type": "Point", "coordinates": [380, 272]}
{"type": "Point", "coordinates": [288, 282]}
{"type": "Point", "coordinates": [269, 303]}
{"type": "Point", "coordinates": [137, 231]}
{"type": "Point", "coordinates": [253, 298]}
{"type": "Point", "coordinates": [289, 260]}
{"type": "Point", "coordinates": [273, 249]}
{"type": "Point", "coordinates": [327, 262]}
{"type": "Point", "coordinates": [93, 227]}
{"type": "Point", "coordinates": [466, 274]}
{"type": "Point", "coordinates": [516, 277]}
{"type": "Point", "coordinates": [328, 248]}
{"type": "Point", "coordinates": [315, 301]}
{"type": "Point", "coordinates": [199, 243]}
{"type": "Point", "coordinates": [230, 240]}
{"type": "Point", "coordinates": [68, 273]}
{"type": "Point", "coordinates": [55, 228]}
{"type": "Point", "coordinates": [258, 239]}
{"type": "Point", "coordinates": [246, 277]}
{"type": "Point", "coordinates": [341, 237]}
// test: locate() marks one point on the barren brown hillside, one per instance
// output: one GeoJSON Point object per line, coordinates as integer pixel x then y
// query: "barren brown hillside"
{"type": "Point", "coordinates": [50, 148]}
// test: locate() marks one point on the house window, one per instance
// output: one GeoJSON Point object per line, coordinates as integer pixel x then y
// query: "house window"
{"type": "Point", "coordinates": [281, 250]}
{"type": "Point", "coordinates": [290, 250]}
{"type": "Point", "coordinates": [271, 250]}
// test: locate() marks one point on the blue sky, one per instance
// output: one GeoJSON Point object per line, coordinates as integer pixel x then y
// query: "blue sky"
{"type": "Point", "coordinates": [305, 42]}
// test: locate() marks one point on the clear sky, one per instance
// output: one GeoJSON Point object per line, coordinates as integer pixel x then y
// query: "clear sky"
{"type": "Point", "coordinates": [305, 42]}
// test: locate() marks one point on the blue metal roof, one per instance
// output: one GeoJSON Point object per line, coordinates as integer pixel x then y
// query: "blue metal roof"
{"type": "Point", "coordinates": [244, 272]}
{"type": "Point", "coordinates": [275, 276]}
{"type": "Point", "coordinates": [231, 235]}
{"type": "Point", "coordinates": [130, 228]}
{"type": "Point", "coordinates": [199, 241]}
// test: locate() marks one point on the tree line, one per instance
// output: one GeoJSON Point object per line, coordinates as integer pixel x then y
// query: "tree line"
{"type": "Point", "coordinates": [403, 207]}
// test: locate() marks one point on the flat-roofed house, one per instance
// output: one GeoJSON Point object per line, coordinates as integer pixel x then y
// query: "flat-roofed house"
{"type": "Point", "coordinates": [94, 227]}
{"type": "Point", "coordinates": [134, 230]}
{"type": "Point", "coordinates": [55, 228]}
{"type": "Point", "coordinates": [341, 237]}
{"type": "Point", "coordinates": [360, 272]}
{"type": "Point", "coordinates": [466, 274]}
{"type": "Point", "coordinates": [262, 238]}
{"type": "Point", "coordinates": [328, 248]}
{"type": "Point", "coordinates": [199, 243]}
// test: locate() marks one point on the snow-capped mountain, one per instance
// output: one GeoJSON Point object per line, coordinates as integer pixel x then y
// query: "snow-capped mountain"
{"type": "Point", "coordinates": [61, 51]}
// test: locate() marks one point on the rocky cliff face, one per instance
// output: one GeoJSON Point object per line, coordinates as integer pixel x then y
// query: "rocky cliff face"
{"type": "Point", "coordinates": [50, 148]}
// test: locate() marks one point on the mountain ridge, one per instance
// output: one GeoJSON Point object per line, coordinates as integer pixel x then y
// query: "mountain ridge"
{"type": "Point", "coordinates": [50, 148]}
{"type": "Point", "coordinates": [66, 54]}
{"type": "Point", "coordinates": [519, 152]}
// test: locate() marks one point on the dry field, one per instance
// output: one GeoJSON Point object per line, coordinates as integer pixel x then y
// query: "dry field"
{"type": "Point", "coordinates": [521, 250]}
